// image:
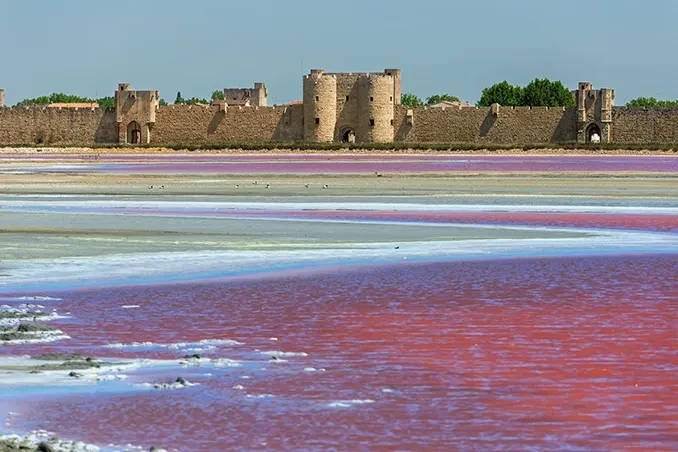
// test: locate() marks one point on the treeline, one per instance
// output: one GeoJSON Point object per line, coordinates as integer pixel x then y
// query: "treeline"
{"type": "Point", "coordinates": [648, 102]}
{"type": "Point", "coordinates": [58, 98]}
{"type": "Point", "coordinates": [537, 93]}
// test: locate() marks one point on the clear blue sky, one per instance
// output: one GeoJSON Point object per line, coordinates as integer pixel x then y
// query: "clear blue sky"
{"type": "Point", "coordinates": [86, 47]}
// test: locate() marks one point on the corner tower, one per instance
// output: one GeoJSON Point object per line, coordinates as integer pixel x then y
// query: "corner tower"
{"type": "Point", "coordinates": [320, 106]}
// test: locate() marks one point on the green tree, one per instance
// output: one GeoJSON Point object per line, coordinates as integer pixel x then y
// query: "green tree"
{"type": "Point", "coordinates": [195, 100]}
{"type": "Point", "coordinates": [106, 103]}
{"type": "Point", "coordinates": [648, 102]}
{"type": "Point", "coordinates": [503, 94]}
{"type": "Point", "coordinates": [410, 100]}
{"type": "Point", "coordinates": [436, 98]}
{"type": "Point", "coordinates": [55, 98]}
{"type": "Point", "coordinates": [545, 93]}
{"type": "Point", "coordinates": [218, 95]}
{"type": "Point", "coordinates": [179, 99]}
{"type": "Point", "coordinates": [162, 102]}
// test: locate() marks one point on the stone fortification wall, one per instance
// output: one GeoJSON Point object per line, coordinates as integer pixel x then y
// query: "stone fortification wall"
{"type": "Point", "coordinates": [644, 125]}
{"type": "Point", "coordinates": [519, 125]}
{"type": "Point", "coordinates": [42, 125]}
{"type": "Point", "coordinates": [194, 124]}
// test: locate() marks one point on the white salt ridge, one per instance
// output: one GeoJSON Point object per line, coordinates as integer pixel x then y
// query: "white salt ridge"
{"type": "Point", "coordinates": [130, 306]}
{"type": "Point", "coordinates": [164, 386]}
{"type": "Point", "coordinates": [189, 207]}
{"type": "Point", "coordinates": [34, 438]}
{"type": "Point", "coordinates": [43, 337]}
{"type": "Point", "coordinates": [279, 354]}
{"type": "Point", "coordinates": [239, 387]}
{"type": "Point", "coordinates": [313, 369]}
{"type": "Point", "coordinates": [259, 396]}
{"type": "Point", "coordinates": [112, 377]}
{"type": "Point", "coordinates": [165, 266]}
{"type": "Point", "coordinates": [225, 362]}
{"type": "Point", "coordinates": [176, 346]}
{"type": "Point", "coordinates": [349, 403]}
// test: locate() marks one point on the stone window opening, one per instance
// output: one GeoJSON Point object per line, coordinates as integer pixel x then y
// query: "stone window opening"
{"type": "Point", "coordinates": [371, 122]}
{"type": "Point", "coordinates": [371, 99]}
{"type": "Point", "coordinates": [346, 98]}
{"type": "Point", "coordinates": [392, 123]}
{"type": "Point", "coordinates": [390, 98]}
{"type": "Point", "coordinates": [317, 121]}
{"type": "Point", "coordinates": [317, 98]}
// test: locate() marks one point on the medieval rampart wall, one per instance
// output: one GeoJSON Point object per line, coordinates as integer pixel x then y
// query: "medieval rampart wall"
{"type": "Point", "coordinates": [42, 125]}
{"type": "Point", "coordinates": [185, 124]}
{"type": "Point", "coordinates": [644, 125]}
{"type": "Point", "coordinates": [519, 125]}
{"type": "Point", "coordinates": [194, 124]}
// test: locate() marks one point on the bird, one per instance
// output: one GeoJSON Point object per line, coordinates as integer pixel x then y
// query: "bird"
{"type": "Point", "coordinates": [378, 175]}
{"type": "Point", "coordinates": [268, 185]}
{"type": "Point", "coordinates": [397, 248]}
{"type": "Point", "coordinates": [151, 187]}
{"type": "Point", "coordinates": [237, 186]}
{"type": "Point", "coordinates": [326, 186]}
{"type": "Point", "coordinates": [306, 185]}
{"type": "Point", "coordinates": [254, 183]}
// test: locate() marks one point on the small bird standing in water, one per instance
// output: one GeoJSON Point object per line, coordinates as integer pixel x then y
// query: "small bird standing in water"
{"type": "Point", "coordinates": [326, 186]}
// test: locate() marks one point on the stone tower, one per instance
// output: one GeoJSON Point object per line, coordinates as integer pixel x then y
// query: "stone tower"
{"type": "Point", "coordinates": [135, 114]}
{"type": "Point", "coordinates": [257, 97]}
{"type": "Point", "coordinates": [594, 113]}
{"type": "Point", "coordinates": [2, 97]}
{"type": "Point", "coordinates": [320, 106]}
{"type": "Point", "coordinates": [376, 104]}
{"type": "Point", "coordinates": [351, 107]}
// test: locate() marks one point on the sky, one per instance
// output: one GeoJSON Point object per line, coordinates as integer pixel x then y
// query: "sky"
{"type": "Point", "coordinates": [456, 47]}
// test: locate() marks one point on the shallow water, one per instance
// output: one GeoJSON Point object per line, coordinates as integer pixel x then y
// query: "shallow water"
{"type": "Point", "coordinates": [328, 163]}
{"type": "Point", "coordinates": [493, 322]}
{"type": "Point", "coordinates": [571, 353]}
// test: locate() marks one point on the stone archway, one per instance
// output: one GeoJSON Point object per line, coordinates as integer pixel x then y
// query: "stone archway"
{"type": "Point", "coordinates": [593, 133]}
{"type": "Point", "coordinates": [133, 133]}
{"type": "Point", "coordinates": [348, 135]}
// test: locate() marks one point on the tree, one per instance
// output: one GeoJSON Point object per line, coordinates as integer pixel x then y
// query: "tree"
{"type": "Point", "coordinates": [179, 99]}
{"type": "Point", "coordinates": [649, 102]}
{"type": "Point", "coordinates": [410, 100]}
{"type": "Point", "coordinates": [503, 94]}
{"type": "Point", "coordinates": [218, 95]}
{"type": "Point", "coordinates": [437, 98]}
{"type": "Point", "coordinates": [162, 102]}
{"type": "Point", "coordinates": [106, 103]}
{"type": "Point", "coordinates": [545, 93]}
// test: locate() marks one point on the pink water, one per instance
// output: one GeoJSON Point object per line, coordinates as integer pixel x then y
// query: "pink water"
{"type": "Point", "coordinates": [576, 353]}
{"type": "Point", "coordinates": [390, 163]}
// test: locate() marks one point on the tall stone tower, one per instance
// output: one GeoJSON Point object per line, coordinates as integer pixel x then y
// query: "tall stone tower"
{"type": "Point", "coordinates": [376, 103]}
{"type": "Point", "coordinates": [594, 113]}
{"type": "Point", "coordinates": [320, 106]}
